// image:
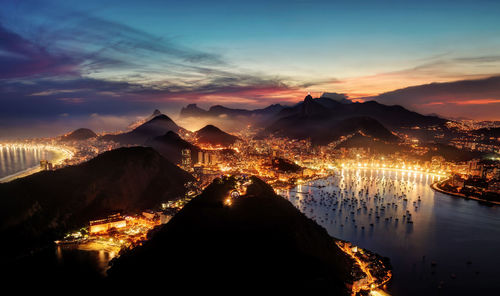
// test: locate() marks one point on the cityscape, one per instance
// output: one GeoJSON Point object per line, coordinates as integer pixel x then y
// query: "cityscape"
{"type": "Point", "coordinates": [193, 163]}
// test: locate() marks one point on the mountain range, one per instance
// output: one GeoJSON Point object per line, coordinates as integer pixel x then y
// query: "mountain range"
{"type": "Point", "coordinates": [390, 116]}
{"type": "Point", "coordinates": [192, 110]}
{"type": "Point", "coordinates": [311, 119]}
{"type": "Point", "coordinates": [323, 120]}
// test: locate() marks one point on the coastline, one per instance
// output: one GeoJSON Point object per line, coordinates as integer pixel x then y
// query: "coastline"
{"type": "Point", "coordinates": [58, 158]}
{"type": "Point", "coordinates": [435, 187]}
{"type": "Point", "coordinates": [369, 283]}
{"type": "Point", "coordinates": [21, 174]}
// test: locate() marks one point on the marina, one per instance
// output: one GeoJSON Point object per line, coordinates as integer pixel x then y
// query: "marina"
{"type": "Point", "coordinates": [437, 244]}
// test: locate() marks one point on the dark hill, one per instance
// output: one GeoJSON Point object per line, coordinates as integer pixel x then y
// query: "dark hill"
{"type": "Point", "coordinates": [390, 116]}
{"type": "Point", "coordinates": [79, 134]}
{"type": "Point", "coordinates": [323, 129]}
{"type": "Point", "coordinates": [493, 132]}
{"type": "Point", "coordinates": [192, 110]}
{"type": "Point", "coordinates": [285, 165]}
{"type": "Point", "coordinates": [155, 127]}
{"type": "Point", "coordinates": [171, 145]}
{"type": "Point", "coordinates": [39, 208]}
{"type": "Point", "coordinates": [156, 112]}
{"type": "Point", "coordinates": [340, 98]}
{"type": "Point", "coordinates": [451, 153]}
{"type": "Point", "coordinates": [259, 243]}
{"type": "Point", "coordinates": [214, 136]}
{"type": "Point", "coordinates": [374, 145]}
{"type": "Point", "coordinates": [311, 107]}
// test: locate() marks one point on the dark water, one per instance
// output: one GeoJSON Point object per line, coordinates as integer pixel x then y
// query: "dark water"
{"type": "Point", "coordinates": [61, 267]}
{"type": "Point", "coordinates": [461, 236]}
{"type": "Point", "coordinates": [17, 159]}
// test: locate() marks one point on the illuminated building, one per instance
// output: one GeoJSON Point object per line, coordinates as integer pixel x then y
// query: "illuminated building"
{"type": "Point", "coordinates": [207, 158]}
{"type": "Point", "coordinates": [148, 215]}
{"type": "Point", "coordinates": [166, 215]}
{"type": "Point", "coordinates": [103, 225]}
{"type": "Point", "coordinates": [186, 158]}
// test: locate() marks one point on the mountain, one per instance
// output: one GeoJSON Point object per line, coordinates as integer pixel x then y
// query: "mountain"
{"type": "Point", "coordinates": [137, 123]}
{"type": "Point", "coordinates": [358, 140]}
{"type": "Point", "coordinates": [156, 112]}
{"type": "Point", "coordinates": [457, 98]}
{"type": "Point", "coordinates": [79, 134]}
{"type": "Point", "coordinates": [214, 136]}
{"type": "Point", "coordinates": [171, 145]}
{"type": "Point", "coordinates": [260, 242]}
{"type": "Point", "coordinates": [489, 132]}
{"type": "Point", "coordinates": [43, 206]}
{"type": "Point", "coordinates": [192, 110]}
{"type": "Point", "coordinates": [391, 116]}
{"type": "Point", "coordinates": [229, 119]}
{"type": "Point", "coordinates": [340, 98]}
{"type": "Point", "coordinates": [451, 153]}
{"type": "Point", "coordinates": [322, 129]}
{"type": "Point", "coordinates": [285, 165]}
{"type": "Point", "coordinates": [155, 127]}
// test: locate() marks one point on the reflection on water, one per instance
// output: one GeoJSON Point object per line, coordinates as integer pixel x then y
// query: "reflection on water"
{"type": "Point", "coordinates": [62, 265]}
{"type": "Point", "coordinates": [437, 244]}
{"type": "Point", "coordinates": [17, 159]}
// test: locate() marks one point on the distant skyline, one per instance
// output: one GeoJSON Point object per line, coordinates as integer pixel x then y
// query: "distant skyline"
{"type": "Point", "coordinates": [103, 64]}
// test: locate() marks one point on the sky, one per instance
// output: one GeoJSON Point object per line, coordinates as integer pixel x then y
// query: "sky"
{"type": "Point", "coordinates": [105, 63]}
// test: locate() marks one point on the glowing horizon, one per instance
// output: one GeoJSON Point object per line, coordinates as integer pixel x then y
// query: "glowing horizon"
{"type": "Point", "coordinates": [120, 59]}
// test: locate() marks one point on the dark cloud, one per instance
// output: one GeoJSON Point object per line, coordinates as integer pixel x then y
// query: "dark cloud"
{"type": "Point", "coordinates": [20, 58]}
{"type": "Point", "coordinates": [65, 68]}
{"type": "Point", "coordinates": [479, 98]}
{"type": "Point", "coordinates": [481, 59]}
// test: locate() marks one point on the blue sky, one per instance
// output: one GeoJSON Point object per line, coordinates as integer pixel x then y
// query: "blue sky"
{"type": "Point", "coordinates": [117, 58]}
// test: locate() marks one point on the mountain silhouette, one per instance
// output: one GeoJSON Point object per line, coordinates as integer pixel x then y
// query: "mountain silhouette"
{"type": "Point", "coordinates": [391, 116]}
{"type": "Point", "coordinates": [322, 129]}
{"type": "Point", "coordinates": [192, 110]}
{"type": "Point", "coordinates": [79, 134]}
{"type": "Point", "coordinates": [171, 145]}
{"type": "Point", "coordinates": [43, 206]}
{"type": "Point", "coordinates": [214, 136]}
{"type": "Point", "coordinates": [155, 127]}
{"type": "Point", "coordinates": [259, 242]}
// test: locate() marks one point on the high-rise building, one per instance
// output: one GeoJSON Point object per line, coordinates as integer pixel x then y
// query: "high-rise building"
{"type": "Point", "coordinates": [200, 157]}
{"type": "Point", "coordinates": [186, 158]}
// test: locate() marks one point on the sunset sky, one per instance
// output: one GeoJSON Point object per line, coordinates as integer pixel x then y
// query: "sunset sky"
{"type": "Point", "coordinates": [105, 62]}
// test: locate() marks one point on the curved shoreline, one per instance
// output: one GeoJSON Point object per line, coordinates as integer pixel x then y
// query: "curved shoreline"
{"type": "Point", "coordinates": [58, 158]}
{"type": "Point", "coordinates": [435, 187]}
{"type": "Point", "coordinates": [21, 174]}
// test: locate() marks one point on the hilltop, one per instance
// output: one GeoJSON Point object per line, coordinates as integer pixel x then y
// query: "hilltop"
{"type": "Point", "coordinates": [170, 146]}
{"type": "Point", "coordinates": [157, 126]}
{"type": "Point", "coordinates": [41, 207]}
{"type": "Point", "coordinates": [260, 242]}
{"type": "Point", "coordinates": [315, 122]}
{"type": "Point", "coordinates": [79, 134]}
{"type": "Point", "coordinates": [214, 136]}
